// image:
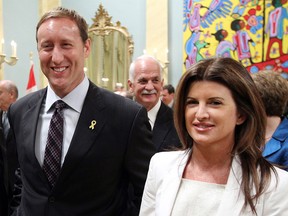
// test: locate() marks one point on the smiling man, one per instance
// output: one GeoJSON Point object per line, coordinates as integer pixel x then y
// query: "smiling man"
{"type": "Point", "coordinates": [97, 143]}
{"type": "Point", "coordinates": [146, 83]}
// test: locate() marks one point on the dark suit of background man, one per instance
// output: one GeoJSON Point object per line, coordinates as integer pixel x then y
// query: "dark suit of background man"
{"type": "Point", "coordinates": [146, 82]}
{"type": "Point", "coordinates": [8, 95]}
{"type": "Point", "coordinates": [107, 142]}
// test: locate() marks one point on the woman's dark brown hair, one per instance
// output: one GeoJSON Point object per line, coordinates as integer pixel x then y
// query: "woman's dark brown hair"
{"type": "Point", "coordinates": [249, 136]}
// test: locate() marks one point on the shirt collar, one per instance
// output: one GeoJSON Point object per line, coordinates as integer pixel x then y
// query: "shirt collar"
{"type": "Point", "coordinates": [152, 114]}
{"type": "Point", "coordinates": [74, 99]}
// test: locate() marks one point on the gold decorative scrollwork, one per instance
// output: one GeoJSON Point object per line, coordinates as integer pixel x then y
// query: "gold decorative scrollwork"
{"type": "Point", "coordinates": [111, 52]}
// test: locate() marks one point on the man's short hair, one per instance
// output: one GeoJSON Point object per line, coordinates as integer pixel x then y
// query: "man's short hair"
{"type": "Point", "coordinates": [169, 88]}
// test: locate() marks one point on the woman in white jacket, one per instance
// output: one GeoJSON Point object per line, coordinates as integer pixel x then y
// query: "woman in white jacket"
{"type": "Point", "coordinates": [220, 119]}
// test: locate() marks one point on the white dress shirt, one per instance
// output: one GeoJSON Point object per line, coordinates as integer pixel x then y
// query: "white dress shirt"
{"type": "Point", "coordinates": [152, 114]}
{"type": "Point", "coordinates": [74, 100]}
{"type": "Point", "coordinates": [197, 198]}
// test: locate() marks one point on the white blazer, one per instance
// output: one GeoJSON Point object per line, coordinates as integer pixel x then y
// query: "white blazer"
{"type": "Point", "coordinates": [164, 178]}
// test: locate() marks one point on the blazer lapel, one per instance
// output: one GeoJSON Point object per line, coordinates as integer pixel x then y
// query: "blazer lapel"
{"type": "Point", "coordinates": [171, 184]}
{"type": "Point", "coordinates": [233, 200]}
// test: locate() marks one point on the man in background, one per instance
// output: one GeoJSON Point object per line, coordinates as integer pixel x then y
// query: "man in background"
{"type": "Point", "coordinates": [145, 82]}
{"type": "Point", "coordinates": [8, 95]}
{"type": "Point", "coordinates": [168, 95]}
{"type": "Point", "coordinates": [273, 89]}
{"type": "Point", "coordinates": [119, 89]}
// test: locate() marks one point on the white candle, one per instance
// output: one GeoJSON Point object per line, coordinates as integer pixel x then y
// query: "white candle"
{"type": "Point", "coordinates": [155, 53]}
{"type": "Point", "coordinates": [144, 51]}
{"type": "Point", "coordinates": [2, 46]}
{"type": "Point", "coordinates": [167, 53]}
{"type": "Point", "coordinates": [14, 48]}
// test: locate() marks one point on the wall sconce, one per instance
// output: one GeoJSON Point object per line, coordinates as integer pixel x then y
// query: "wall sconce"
{"type": "Point", "coordinates": [13, 59]}
{"type": "Point", "coordinates": [164, 64]}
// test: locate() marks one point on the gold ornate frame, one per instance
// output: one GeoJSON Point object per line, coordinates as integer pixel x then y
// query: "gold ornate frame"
{"type": "Point", "coordinates": [111, 51]}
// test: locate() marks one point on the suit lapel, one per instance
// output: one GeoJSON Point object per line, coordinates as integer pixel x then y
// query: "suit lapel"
{"type": "Point", "coordinates": [1, 114]}
{"type": "Point", "coordinates": [161, 126]}
{"type": "Point", "coordinates": [88, 127]}
{"type": "Point", "coordinates": [30, 119]}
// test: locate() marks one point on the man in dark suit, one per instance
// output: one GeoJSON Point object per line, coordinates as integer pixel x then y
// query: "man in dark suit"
{"type": "Point", "coordinates": [8, 95]}
{"type": "Point", "coordinates": [146, 83]}
{"type": "Point", "coordinates": [107, 142]}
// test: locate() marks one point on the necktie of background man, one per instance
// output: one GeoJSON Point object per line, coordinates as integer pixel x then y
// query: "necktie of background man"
{"type": "Point", "coordinates": [5, 124]}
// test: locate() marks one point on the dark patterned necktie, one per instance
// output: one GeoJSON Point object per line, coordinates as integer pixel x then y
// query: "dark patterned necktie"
{"type": "Point", "coordinates": [5, 124]}
{"type": "Point", "coordinates": [52, 157]}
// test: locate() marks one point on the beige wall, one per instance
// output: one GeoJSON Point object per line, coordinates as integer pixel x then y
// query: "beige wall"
{"type": "Point", "coordinates": [1, 34]}
{"type": "Point", "coordinates": [157, 32]}
{"type": "Point", "coordinates": [45, 5]}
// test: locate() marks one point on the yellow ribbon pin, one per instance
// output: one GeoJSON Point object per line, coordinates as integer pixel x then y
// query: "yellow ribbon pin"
{"type": "Point", "coordinates": [93, 123]}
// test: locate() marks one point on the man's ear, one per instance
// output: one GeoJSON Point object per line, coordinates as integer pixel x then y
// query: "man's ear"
{"type": "Point", "coordinates": [87, 47]}
{"type": "Point", "coordinates": [130, 84]}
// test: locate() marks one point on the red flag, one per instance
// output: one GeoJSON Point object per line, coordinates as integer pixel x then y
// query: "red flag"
{"type": "Point", "coordinates": [31, 86]}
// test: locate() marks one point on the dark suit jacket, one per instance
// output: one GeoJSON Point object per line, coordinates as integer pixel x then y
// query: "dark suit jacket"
{"type": "Point", "coordinates": [164, 135]}
{"type": "Point", "coordinates": [99, 164]}
{"type": "Point", "coordinates": [4, 186]}
{"type": "Point", "coordinates": [3, 191]}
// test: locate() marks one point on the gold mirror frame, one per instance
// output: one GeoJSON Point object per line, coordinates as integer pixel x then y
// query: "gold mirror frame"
{"type": "Point", "coordinates": [111, 52]}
